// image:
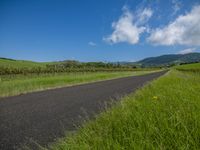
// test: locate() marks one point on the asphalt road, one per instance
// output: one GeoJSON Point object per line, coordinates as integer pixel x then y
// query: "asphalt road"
{"type": "Point", "coordinates": [40, 118]}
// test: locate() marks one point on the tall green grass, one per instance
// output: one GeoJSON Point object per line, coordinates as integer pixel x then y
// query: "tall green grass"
{"type": "Point", "coordinates": [18, 84]}
{"type": "Point", "coordinates": [165, 114]}
{"type": "Point", "coordinates": [189, 67]}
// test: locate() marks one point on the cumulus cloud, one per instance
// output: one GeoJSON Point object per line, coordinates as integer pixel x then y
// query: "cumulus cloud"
{"type": "Point", "coordinates": [143, 16]}
{"type": "Point", "coordinates": [129, 27]}
{"type": "Point", "coordinates": [187, 51]}
{"type": "Point", "coordinates": [184, 30]}
{"type": "Point", "coordinates": [92, 43]}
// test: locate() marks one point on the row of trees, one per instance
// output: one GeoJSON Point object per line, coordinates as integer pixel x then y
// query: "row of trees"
{"type": "Point", "coordinates": [76, 64]}
{"type": "Point", "coordinates": [67, 66]}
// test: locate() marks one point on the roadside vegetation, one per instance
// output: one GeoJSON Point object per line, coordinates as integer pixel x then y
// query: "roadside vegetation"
{"type": "Point", "coordinates": [195, 67]}
{"type": "Point", "coordinates": [165, 114]}
{"type": "Point", "coordinates": [19, 77]}
{"type": "Point", "coordinates": [20, 84]}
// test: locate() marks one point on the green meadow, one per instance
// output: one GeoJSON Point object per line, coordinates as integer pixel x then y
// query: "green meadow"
{"type": "Point", "coordinates": [20, 63]}
{"type": "Point", "coordinates": [164, 114]}
{"type": "Point", "coordinates": [189, 67]}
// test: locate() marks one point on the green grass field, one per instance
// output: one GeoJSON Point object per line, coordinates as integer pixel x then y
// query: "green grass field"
{"type": "Point", "coordinates": [189, 67]}
{"type": "Point", "coordinates": [20, 63]}
{"type": "Point", "coordinates": [165, 114]}
{"type": "Point", "coordinates": [18, 84]}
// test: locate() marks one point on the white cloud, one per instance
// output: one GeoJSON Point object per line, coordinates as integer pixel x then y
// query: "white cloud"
{"type": "Point", "coordinates": [176, 6]}
{"type": "Point", "coordinates": [184, 30]}
{"type": "Point", "coordinates": [186, 51]}
{"type": "Point", "coordinates": [144, 16]}
{"type": "Point", "coordinates": [92, 43]}
{"type": "Point", "coordinates": [129, 27]}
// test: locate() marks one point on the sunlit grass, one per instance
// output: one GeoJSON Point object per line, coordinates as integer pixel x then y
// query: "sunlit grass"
{"type": "Point", "coordinates": [189, 67]}
{"type": "Point", "coordinates": [165, 114]}
{"type": "Point", "coordinates": [20, 63]}
{"type": "Point", "coordinates": [27, 83]}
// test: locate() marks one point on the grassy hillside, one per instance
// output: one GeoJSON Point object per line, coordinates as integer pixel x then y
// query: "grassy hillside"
{"type": "Point", "coordinates": [189, 67]}
{"type": "Point", "coordinates": [13, 67]}
{"type": "Point", "coordinates": [170, 59]}
{"type": "Point", "coordinates": [4, 62]}
{"type": "Point", "coordinates": [165, 114]}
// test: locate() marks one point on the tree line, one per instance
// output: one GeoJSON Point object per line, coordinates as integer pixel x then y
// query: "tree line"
{"type": "Point", "coordinates": [66, 66]}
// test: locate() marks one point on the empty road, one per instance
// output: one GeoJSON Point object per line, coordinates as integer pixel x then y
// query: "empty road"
{"type": "Point", "coordinates": [42, 117]}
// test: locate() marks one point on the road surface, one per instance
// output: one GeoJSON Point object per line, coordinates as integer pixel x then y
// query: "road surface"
{"type": "Point", "coordinates": [40, 118]}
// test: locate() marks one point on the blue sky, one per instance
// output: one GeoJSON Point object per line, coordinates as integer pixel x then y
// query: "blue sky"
{"type": "Point", "coordinates": [98, 30]}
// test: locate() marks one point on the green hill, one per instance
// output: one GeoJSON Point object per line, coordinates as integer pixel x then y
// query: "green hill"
{"type": "Point", "coordinates": [164, 60]}
{"type": "Point", "coordinates": [195, 67]}
{"type": "Point", "coordinates": [171, 59]}
{"type": "Point", "coordinates": [6, 62]}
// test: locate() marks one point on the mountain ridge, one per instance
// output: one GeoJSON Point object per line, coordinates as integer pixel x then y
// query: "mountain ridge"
{"type": "Point", "coordinates": [157, 61]}
{"type": "Point", "coordinates": [170, 59]}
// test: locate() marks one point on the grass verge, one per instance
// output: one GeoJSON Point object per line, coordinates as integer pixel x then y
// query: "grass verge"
{"type": "Point", "coordinates": [19, 84]}
{"type": "Point", "coordinates": [195, 67]}
{"type": "Point", "coordinates": [165, 114]}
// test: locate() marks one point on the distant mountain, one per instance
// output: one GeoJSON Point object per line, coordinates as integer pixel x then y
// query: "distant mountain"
{"type": "Point", "coordinates": [159, 61]}
{"type": "Point", "coordinates": [171, 59]}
